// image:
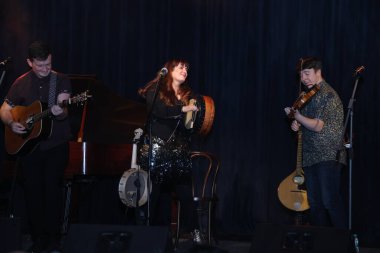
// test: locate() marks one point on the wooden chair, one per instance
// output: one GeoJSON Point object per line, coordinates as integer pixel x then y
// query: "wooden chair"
{"type": "Point", "coordinates": [205, 171]}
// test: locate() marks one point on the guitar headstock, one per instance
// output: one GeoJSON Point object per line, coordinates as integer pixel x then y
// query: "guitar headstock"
{"type": "Point", "coordinates": [80, 98]}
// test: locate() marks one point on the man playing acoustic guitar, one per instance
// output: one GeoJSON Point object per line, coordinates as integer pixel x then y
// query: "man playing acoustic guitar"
{"type": "Point", "coordinates": [321, 121]}
{"type": "Point", "coordinates": [42, 164]}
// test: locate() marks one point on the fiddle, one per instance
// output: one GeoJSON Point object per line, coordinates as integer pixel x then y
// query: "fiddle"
{"type": "Point", "coordinates": [302, 99]}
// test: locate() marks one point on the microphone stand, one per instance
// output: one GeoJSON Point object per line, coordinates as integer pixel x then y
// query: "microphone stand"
{"type": "Point", "coordinates": [349, 147]}
{"type": "Point", "coordinates": [3, 64]}
{"type": "Point", "coordinates": [16, 167]}
{"type": "Point", "coordinates": [2, 77]}
{"type": "Point", "coordinates": [150, 151]}
{"type": "Point", "coordinates": [137, 183]}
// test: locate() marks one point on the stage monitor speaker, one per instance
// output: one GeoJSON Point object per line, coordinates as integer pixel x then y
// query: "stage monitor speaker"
{"type": "Point", "coordinates": [117, 239]}
{"type": "Point", "coordinates": [276, 238]}
{"type": "Point", "coordinates": [10, 234]}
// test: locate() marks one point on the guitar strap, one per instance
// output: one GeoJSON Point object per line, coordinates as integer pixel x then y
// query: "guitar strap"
{"type": "Point", "coordinates": [52, 88]}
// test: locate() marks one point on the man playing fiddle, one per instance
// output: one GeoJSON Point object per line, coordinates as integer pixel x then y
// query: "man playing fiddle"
{"type": "Point", "coordinates": [321, 121]}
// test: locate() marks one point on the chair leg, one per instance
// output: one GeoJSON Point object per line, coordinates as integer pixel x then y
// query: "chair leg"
{"type": "Point", "coordinates": [178, 224]}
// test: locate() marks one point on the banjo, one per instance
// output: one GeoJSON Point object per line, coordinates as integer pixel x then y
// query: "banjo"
{"type": "Point", "coordinates": [134, 179]}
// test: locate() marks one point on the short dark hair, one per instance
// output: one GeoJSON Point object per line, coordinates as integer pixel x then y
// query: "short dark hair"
{"type": "Point", "coordinates": [39, 50]}
{"type": "Point", "coordinates": [309, 63]}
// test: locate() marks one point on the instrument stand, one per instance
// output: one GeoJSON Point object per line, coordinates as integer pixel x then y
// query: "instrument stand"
{"type": "Point", "coordinates": [138, 194]}
{"type": "Point", "coordinates": [11, 225]}
{"type": "Point", "coordinates": [71, 202]}
{"type": "Point", "coordinates": [349, 147]}
{"type": "Point", "coordinates": [67, 206]}
{"type": "Point", "coordinates": [139, 215]}
{"type": "Point", "coordinates": [301, 218]}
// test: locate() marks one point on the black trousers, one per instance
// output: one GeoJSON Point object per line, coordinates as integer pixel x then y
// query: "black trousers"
{"type": "Point", "coordinates": [161, 200]}
{"type": "Point", "coordinates": [42, 179]}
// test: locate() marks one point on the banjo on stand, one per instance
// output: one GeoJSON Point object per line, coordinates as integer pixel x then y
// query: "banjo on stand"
{"type": "Point", "coordinates": [134, 180]}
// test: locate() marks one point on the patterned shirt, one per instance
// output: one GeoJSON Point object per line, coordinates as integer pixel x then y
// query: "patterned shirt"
{"type": "Point", "coordinates": [324, 145]}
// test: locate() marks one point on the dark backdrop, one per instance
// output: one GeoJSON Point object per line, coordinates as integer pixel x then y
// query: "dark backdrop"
{"type": "Point", "coordinates": [243, 54]}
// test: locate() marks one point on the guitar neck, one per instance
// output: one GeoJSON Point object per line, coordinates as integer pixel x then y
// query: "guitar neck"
{"type": "Point", "coordinates": [299, 152]}
{"type": "Point", "coordinates": [44, 114]}
{"type": "Point", "coordinates": [47, 112]}
{"type": "Point", "coordinates": [65, 103]}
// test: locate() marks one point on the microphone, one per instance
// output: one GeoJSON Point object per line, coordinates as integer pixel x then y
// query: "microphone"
{"type": "Point", "coordinates": [359, 70]}
{"type": "Point", "coordinates": [163, 72]}
{"type": "Point", "coordinates": [6, 61]}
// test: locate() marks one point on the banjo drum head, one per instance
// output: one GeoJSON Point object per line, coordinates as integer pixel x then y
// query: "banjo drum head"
{"type": "Point", "coordinates": [128, 189]}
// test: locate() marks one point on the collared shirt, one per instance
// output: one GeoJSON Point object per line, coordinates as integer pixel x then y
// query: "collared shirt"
{"type": "Point", "coordinates": [324, 145]}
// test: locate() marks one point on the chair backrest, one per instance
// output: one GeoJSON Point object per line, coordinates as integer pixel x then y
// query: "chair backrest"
{"type": "Point", "coordinates": [205, 171]}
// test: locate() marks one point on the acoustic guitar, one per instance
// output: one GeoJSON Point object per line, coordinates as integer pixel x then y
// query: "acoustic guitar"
{"type": "Point", "coordinates": [37, 122]}
{"type": "Point", "coordinates": [291, 191]}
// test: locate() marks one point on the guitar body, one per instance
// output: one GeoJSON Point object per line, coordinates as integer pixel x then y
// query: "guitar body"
{"type": "Point", "coordinates": [37, 130]}
{"type": "Point", "coordinates": [291, 194]}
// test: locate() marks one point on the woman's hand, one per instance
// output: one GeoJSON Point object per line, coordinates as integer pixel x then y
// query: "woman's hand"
{"type": "Point", "coordinates": [188, 108]}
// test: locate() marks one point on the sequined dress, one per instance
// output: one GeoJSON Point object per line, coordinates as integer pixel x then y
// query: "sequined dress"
{"type": "Point", "coordinates": [170, 144]}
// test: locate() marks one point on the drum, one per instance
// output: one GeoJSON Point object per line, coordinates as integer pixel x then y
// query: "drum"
{"type": "Point", "coordinates": [202, 120]}
{"type": "Point", "coordinates": [128, 188]}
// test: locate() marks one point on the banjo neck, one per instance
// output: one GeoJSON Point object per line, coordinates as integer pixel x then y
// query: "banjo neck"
{"type": "Point", "coordinates": [134, 157]}
{"type": "Point", "coordinates": [136, 139]}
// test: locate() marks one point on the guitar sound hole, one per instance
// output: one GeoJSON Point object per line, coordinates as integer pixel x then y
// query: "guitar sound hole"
{"type": "Point", "coordinates": [29, 124]}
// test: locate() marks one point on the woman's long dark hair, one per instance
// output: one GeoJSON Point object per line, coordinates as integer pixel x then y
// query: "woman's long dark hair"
{"type": "Point", "coordinates": [166, 91]}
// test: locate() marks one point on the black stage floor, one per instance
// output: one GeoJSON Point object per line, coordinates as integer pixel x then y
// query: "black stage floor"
{"type": "Point", "coordinates": [222, 246]}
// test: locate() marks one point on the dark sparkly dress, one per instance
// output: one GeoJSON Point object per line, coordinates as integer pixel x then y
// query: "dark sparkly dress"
{"type": "Point", "coordinates": [170, 144]}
